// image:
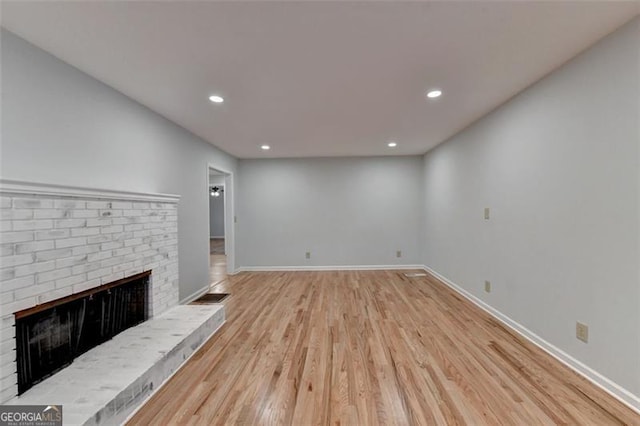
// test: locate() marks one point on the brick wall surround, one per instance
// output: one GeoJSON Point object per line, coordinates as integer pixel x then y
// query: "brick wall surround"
{"type": "Point", "coordinates": [57, 241]}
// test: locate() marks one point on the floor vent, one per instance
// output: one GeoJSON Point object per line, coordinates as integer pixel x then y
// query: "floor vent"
{"type": "Point", "coordinates": [209, 298]}
{"type": "Point", "coordinates": [415, 274]}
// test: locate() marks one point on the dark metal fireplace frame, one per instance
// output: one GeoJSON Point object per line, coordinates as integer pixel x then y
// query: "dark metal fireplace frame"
{"type": "Point", "coordinates": [51, 335]}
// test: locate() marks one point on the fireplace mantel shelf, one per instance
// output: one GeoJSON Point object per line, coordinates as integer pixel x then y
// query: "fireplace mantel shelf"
{"type": "Point", "coordinates": [10, 186]}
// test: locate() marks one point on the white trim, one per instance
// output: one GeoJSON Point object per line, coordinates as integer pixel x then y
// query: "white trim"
{"type": "Point", "coordinates": [612, 388]}
{"type": "Point", "coordinates": [165, 381]}
{"type": "Point", "coordinates": [325, 268]}
{"type": "Point", "coordinates": [193, 296]}
{"type": "Point", "coordinates": [9, 186]}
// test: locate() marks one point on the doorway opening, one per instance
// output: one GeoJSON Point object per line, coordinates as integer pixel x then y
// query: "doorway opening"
{"type": "Point", "coordinates": [220, 228]}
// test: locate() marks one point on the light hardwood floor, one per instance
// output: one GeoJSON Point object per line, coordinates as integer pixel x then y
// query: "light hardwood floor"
{"type": "Point", "coordinates": [217, 268]}
{"type": "Point", "coordinates": [369, 347]}
{"type": "Point", "coordinates": [216, 245]}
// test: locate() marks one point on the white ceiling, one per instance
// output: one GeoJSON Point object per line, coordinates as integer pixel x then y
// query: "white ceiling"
{"type": "Point", "coordinates": [317, 78]}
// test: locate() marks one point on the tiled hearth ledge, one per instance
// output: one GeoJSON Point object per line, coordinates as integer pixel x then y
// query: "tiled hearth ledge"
{"type": "Point", "coordinates": [105, 385]}
{"type": "Point", "coordinates": [59, 240]}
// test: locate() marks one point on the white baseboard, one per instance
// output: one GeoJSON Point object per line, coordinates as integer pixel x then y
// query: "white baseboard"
{"type": "Point", "coordinates": [193, 296]}
{"type": "Point", "coordinates": [612, 388]}
{"type": "Point", "coordinates": [325, 268]}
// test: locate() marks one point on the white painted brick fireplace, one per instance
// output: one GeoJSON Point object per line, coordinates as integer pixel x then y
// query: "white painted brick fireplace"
{"type": "Point", "coordinates": [56, 241]}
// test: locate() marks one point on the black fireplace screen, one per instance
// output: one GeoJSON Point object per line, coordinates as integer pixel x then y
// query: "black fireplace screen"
{"type": "Point", "coordinates": [49, 339]}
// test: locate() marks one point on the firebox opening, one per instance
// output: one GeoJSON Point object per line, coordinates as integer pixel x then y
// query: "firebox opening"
{"type": "Point", "coordinates": [50, 336]}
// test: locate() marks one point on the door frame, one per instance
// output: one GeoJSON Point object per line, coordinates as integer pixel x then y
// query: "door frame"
{"type": "Point", "coordinates": [229, 215]}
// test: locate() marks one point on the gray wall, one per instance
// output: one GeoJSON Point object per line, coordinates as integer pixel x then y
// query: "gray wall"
{"type": "Point", "coordinates": [61, 126]}
{"type": "Point", "coordinates": [216, 216]}
{"type": "Point", "coordinates": [559, 167]}
{"type": "Point", "coordinates": [346, 211]}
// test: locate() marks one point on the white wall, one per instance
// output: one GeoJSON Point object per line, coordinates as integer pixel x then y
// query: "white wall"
{"type": "Point", "coordinates": [216, 179]}
{"type": "Point", "coordinates": [559, 167]}
{"type": "Point", "coordinates": [61, 126]}
{"type": "Point", "coordinates": [346, 211]}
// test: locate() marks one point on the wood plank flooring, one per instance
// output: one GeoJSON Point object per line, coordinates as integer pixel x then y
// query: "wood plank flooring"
{"type": "Point", "coordinates": [217, 268]}
{"type": "Point", "coordinates": [216, 245]}
{"type": "Point", "coordinates": [368, 348]}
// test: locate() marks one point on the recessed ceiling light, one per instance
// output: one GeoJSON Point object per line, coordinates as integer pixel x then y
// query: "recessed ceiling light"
{"type": "Point", "coordinates": [216, 99]}
{"type": "Point", "coordinates": [265, 147]}
{"type": "Point", "coordinates": [432, 94]}
{"type": "Point", "coordinates": [392, 144]}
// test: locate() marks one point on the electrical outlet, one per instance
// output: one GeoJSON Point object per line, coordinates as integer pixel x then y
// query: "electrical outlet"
{"type": "Point", "coordinates": [487, 286]}
{"type": "Point", "coordinates": [487, 213]}
{"type": "Point", "coordinates": [399, 253]}
{"type": "Point", "coordinates": [307, 255]}
{"type": "Point", "coordinates": [582, 332]}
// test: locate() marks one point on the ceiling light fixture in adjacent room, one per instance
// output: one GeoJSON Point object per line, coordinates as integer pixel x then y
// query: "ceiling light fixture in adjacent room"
{"type": "Point", "coordinates": [265, 147]}
{"type": "Point", "coordinates": [216, 191]}
{"type": "Point", "coordinates": [392, 144]}
{"type": "Point", "coordinates": [435, 93]}
{"type": "Point", "coordinates": [216, 99]}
